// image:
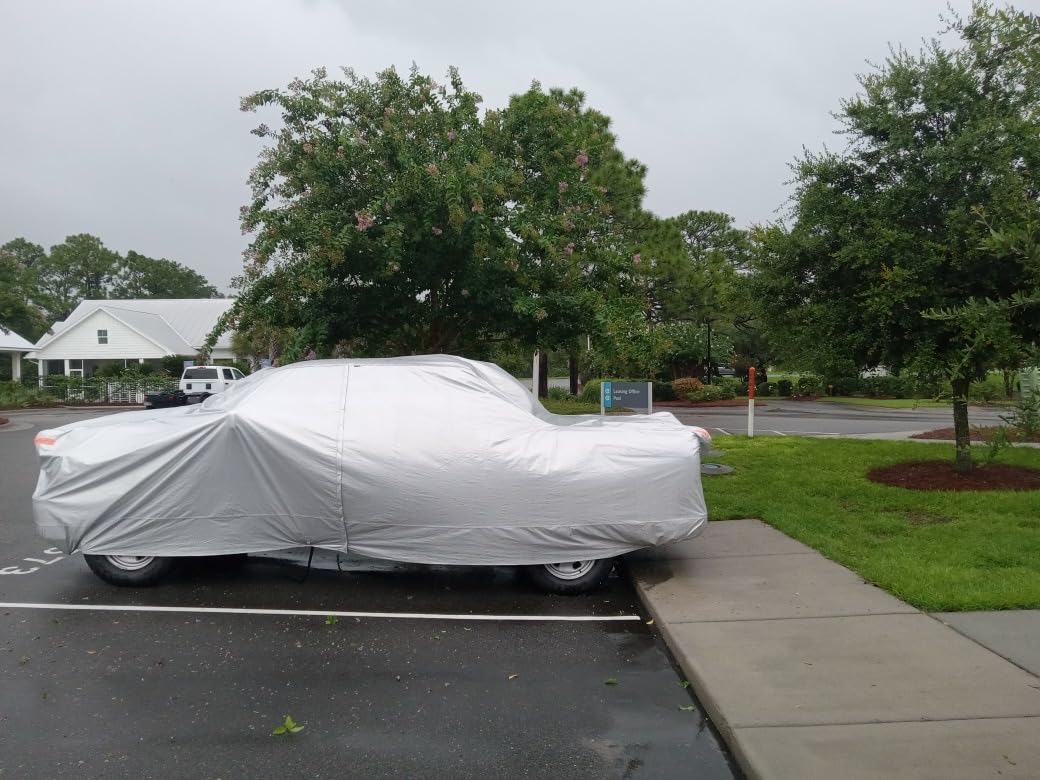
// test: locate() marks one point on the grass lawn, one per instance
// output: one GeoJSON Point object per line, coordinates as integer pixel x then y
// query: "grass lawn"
{"type": "Point", "coordinates": [935, 550]}
{"type": "Point", "coordinates": [569, 406]}
{"type": "Point", "coordinates": [889, 403]}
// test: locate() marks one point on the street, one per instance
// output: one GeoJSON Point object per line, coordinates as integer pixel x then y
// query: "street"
{"type": "Point", "coordinates": [777, 416]}
{"type": "Point", "coordinates": [394, 670]}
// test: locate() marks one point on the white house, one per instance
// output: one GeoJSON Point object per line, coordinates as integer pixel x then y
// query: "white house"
{"type": "Point", "coordinates": [102, 332]}
{"type": "Point", "coordinates": [14, 345]}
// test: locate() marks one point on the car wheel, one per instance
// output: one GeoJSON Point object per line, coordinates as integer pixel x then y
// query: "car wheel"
{"type": "Point", "coordinates": [132, 571]}
{"type": "Point", "coordinates": [571, 577]}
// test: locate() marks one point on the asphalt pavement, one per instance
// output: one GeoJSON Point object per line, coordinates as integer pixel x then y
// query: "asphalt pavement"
{"type": "Point", "coordinates": [776, 416]}
{"type": "Point", "coordinates": [485, 677]}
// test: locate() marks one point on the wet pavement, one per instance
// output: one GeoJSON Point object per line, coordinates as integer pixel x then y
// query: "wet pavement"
{"type": "Point", "coordinates": [129, 693]}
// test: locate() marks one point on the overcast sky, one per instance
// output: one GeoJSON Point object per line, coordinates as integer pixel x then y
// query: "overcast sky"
{"type": "Point", "coordinates": [121, 118]}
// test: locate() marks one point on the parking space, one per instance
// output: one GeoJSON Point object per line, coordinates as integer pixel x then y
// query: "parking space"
{"type": "Point", "coordinates": [394, 670]}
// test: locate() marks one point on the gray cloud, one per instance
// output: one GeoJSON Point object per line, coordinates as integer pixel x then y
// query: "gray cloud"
{"type": "Point", "coordinates": [120, 118]}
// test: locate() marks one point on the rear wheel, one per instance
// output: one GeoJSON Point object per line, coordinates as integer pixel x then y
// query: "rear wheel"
{"type": "Point", "coordinates": [571, 577]}
{"type": "Point", "coordinates": [132, 571]}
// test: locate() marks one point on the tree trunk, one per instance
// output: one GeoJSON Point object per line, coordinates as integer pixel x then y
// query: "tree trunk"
{"type": "Point", "coordinates": [573, 360]}
{"type": "Point", "coordinates": [543, 374]}
{"type": "Point", "coordinates": [962, 434]}
{"type": "Point", "coordinates": [1009, 384]}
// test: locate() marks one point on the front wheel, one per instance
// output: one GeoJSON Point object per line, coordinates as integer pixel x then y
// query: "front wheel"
{"type": "Point", "coordinates": [571, 577]}
{"type": "Point", "coordinates": [131, 571]}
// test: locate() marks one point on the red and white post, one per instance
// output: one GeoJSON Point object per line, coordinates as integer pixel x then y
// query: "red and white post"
{"type": "Point", "coordinates": [751, 403]}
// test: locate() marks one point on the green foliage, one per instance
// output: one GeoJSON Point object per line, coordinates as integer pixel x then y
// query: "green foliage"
{"type": "Point", "coordinates": [559, 394]}
{"type": "Point", "coordinates": [685, 385]}
{"type": "Point", "coordinates": [784, 387]}
{"type": "Point", "coordinates": [570, 406]}
{"type": "Point", "coordinates": [39, 287]}
{"type": "Point", "coordinates": [18, 312]}
{"type": "Point", "coordinates": [15, 395]}
{"type": "Point", "coordinates": [1024, 417]}
{"type": "Point", "coordinates": [331, 620]}
{"type": "Point", "coordinates": [289, 726]}
{"type": "Point", "coordinates": [934, 186]}
{"type": "Point", "coordinates": [810, 384]}
{"type": "Point", "coordinates": [395, 215]}
{"type": "Point", "coordinates": [139, 276]}
{"type": "Point", "coordinates": [717, 392]}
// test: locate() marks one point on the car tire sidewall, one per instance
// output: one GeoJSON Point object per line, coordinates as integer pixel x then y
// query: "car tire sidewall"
{"type": "Point", "coordinates": [594, 578]}
{"type": "Point", "coordinates": [149, 575]}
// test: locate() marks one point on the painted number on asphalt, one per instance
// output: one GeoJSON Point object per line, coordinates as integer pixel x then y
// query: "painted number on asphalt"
{"type": "Point", "coordinates": [49, 551]}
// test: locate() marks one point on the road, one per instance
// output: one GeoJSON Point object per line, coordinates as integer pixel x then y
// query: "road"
{"type": "Point", "coordinates": [135, 692]}
{"type": "Point", "coordinates": [809, 418]}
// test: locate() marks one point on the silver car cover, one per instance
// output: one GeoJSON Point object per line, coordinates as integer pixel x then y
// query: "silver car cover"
{"type": "Point", "coordinates": [431, 459]}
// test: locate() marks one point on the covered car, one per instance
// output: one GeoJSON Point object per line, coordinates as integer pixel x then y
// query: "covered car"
{"type": "Point", "coordinates": [432, 459]}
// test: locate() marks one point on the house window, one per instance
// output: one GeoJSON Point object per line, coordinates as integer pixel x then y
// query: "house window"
{"type": "Point", "coordinates": [102, 337]}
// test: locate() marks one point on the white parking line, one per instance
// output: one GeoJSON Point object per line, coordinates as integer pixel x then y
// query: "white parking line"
{"type": "Point", "coordinates": [723, 431]}
{"type": "Point", "coordinates": [320, 613]}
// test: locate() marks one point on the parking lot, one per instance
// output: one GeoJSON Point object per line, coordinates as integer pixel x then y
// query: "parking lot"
{"type": "Point", "coordinates": [393, 670]}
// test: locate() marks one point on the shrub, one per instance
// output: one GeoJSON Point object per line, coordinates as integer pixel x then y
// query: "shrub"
{"type": "Point", "coordinates": [685, 385]}
{"type": "Point", "coordinates": [887, 387]}
{"type": "Point", "coordinates": [663, 391]}
{"type": "Point", "coordinates": [559, 393]}
{"type": "Point", "coordinates": [984, 392]}
{"type": "Point", "coordinates": [810, 384]}
{"type": "Point", "coordinates": [844, 385]}
{"type": "Point", "coordinates": [784, 387]}
{"type": "Point", "coordinates": [711, 393]}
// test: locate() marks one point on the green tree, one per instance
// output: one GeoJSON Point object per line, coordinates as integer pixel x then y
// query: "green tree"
{"type": "Point", "coordinates": [79, 268]}
{"type": "Point", "coordinates": [18, 309]}
{"type": "Point", "coordinates": [390, 216]}
{"type": "Point", "coordinates": [887, 259]}
{"type": "Point", "coordinates": [139, 276]}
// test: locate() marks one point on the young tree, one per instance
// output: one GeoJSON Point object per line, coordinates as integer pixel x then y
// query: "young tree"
{"type": "Point", "coordinates": [886, 259]}
{"type": "Point", "coordinates": [391, 217]}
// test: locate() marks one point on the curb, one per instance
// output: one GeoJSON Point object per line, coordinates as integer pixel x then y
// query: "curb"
{"type": "Point", "coordinates": [704, 695]}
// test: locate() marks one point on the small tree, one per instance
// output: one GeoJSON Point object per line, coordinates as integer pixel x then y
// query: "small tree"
{"type": "Point", "coordinates": [887, 260]}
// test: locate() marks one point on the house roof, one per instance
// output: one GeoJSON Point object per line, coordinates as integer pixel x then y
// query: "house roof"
{"type": "Point", "coordinates": [178, 325]}
{"type": "Point", "coordinates": [12, 342]}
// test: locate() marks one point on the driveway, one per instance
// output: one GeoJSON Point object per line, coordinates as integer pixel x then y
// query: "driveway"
{"type": "Point", "coordinates": [782, 417]}
{"type": "Point", "coordinates": [394, 670]}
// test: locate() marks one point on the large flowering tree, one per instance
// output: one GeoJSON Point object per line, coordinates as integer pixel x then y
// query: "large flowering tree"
{"type": "Point", "coordinates": [391, 216]}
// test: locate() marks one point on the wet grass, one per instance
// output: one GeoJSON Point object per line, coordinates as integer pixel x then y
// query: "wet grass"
{"type": "Point", "coordinates": [888, 403]}
{"type": "Point", "coordinates": [936, 550]}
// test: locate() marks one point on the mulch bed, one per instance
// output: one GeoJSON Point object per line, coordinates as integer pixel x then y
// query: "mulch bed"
{"type": "Point", "coordinates": [695, 404]}
{"type": "Point", "coordinates": [940, 475]}
{"type": "Point", "coordinates": [978, 433]}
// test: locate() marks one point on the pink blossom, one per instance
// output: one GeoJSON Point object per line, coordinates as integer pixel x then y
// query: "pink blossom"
{"type": "Point", "coordinates": [437, 231]}
{"type": "Point", "coordinates": [582, 158]}
{"type": "Point", "coordinates": [432, 169]}
{"type": "Point", "coordinates": [563, 186]}
{"type": "Point", "coordinates": [394, 267]}
{"type": "Point", "coordinates": [637, 259]}
{"type": "Point", "coordinates": [308, 149]}
{"type": "Point", "coordinates": [452, 135]}
{"type": "Point", "coordinates": [365, 220]}
{"type": "Point", "coordinates": [477, 208]}
{"type": "Point", "coordinates": [569, 249]}
{"type": "Point", "coordinates": [514, 265]}
{"type": "Point", "coordinates": [541, 314]}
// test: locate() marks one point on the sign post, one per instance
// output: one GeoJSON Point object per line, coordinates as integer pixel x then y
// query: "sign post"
{"type": "Point", "coordinates": [751, 403]}
{"type": "Point", "coordinates": [534, 374]}
{"type": "Point", "coordinates": [626, 395]}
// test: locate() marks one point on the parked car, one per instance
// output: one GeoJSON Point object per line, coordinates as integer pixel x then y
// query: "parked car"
{"type": "Point", "coordinates": [164, 398]}
{"type": "Point", "coordinates": [200, 382]}
{"type": "Point", "coordinates": [432, 459]}
{"type": "Point", "coordinates": [724, 371]}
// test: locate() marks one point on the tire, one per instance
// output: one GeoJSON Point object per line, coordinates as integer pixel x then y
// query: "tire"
{"type": "Point", "coordinates": [572, 577]}
{"type": "Point", "coordinates": [130, 571]}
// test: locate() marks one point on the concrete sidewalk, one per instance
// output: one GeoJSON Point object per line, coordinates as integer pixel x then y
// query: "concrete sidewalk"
{"type": "Point", "coordinates": [808, 672]}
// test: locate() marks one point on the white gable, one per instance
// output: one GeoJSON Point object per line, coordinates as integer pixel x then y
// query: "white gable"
{"type": "Point", "coordinates": [171, 326]}
{"type": "Point", "coordinates": [12, 342]}
{"type": "Point", "coordinates": [79, 341]}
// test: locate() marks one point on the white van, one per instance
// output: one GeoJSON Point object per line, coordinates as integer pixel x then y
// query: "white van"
{"type": "Point", "coordinates": [200, 382]}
